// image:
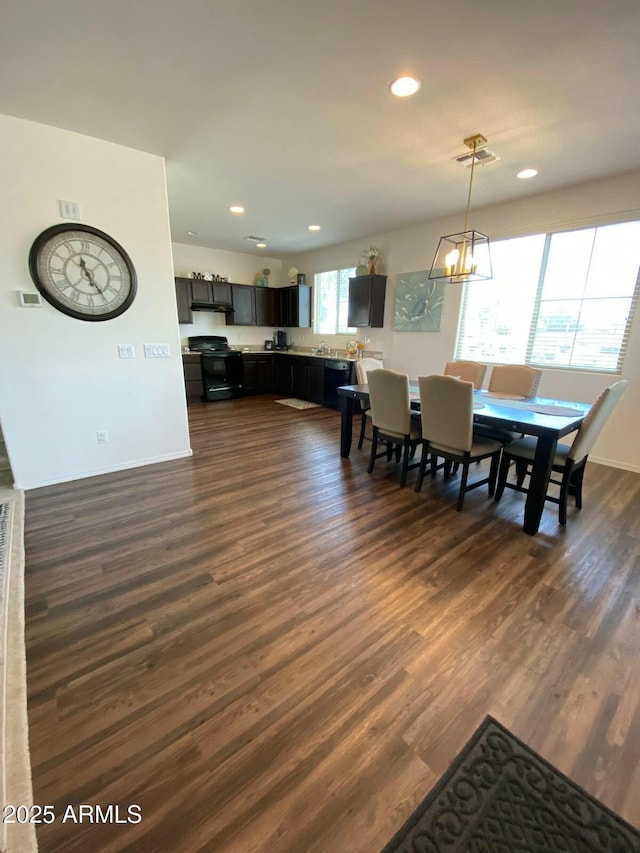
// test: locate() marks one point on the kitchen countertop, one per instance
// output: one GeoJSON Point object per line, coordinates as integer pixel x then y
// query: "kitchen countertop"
{"type": "Point", "coordinates": [333, 356]}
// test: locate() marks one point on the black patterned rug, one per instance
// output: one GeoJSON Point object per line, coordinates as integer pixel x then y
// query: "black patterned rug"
{"type": "Point", "coordinates": [498, 796]}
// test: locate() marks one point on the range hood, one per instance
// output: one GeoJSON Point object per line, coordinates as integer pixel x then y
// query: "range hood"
{"type": "Point", "coordinates": [220, 307]}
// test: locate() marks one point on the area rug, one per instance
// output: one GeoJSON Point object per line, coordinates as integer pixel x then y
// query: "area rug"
{"type": "Point", "coordinates": [498, 796]}
{"type": "Point", "coordinates": [294, 403]}
{"type": "Point", "coordinates": [15, 766]}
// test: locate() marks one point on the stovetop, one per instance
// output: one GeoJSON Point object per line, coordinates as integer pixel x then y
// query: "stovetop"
{"type": "Point", "coordinates": [209, 344]}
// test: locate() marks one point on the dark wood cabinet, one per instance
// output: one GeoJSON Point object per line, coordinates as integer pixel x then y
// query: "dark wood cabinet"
{"type": "Point", "coordinates": [258, 372]}
{"type": "Point", "coordinates": [192, 368]}
{"type": "Point", "coordinates": [294, 306]}
{"type": "Point", "coordinates": [190, 290]}
{"type": "Point", "coordinates": [183, 300]}
{"type": "Point", "coordinates": [282, 374]}
{"type": "Point", "coordinates": [244, 305]}
{"type": "Point", "coordinates": [266, 306]}
{"type": "Point", "coordinates": [366, 301]}
{"type": "Point", "coordinates": [315, 380]}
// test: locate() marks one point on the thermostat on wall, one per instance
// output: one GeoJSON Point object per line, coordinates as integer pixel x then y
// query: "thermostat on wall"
{"type": "Point", "coordinates": [30, 299]}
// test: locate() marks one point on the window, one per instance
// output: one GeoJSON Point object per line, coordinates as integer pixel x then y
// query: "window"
{"type": "Point", "coordinates": [331, 294]}
{"type": "Point", "coordinates": [556, 300]}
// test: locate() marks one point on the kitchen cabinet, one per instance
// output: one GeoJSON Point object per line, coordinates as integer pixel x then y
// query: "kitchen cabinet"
{"type": "Point", "coordinates": [315, 380]}
{"type": "Point", "coordinates": [183, 300]}
{"type": "Point", "coordinates": [244, 305]}
{"type": "Point", "coordinates": [190, 290]}
{"type": "Point", "coordinates": [282, 374]}
{"type": "Point", "coordinates": [258, 372]}
{"type": "Point", "coordinates": [294, 306]}
{"type": "Point", "coordinates": [192, 369]}
{"type": "Point", "coordinates": [266, 306]}
{"type": "Point", "coordinates": [209, 291]}
{"type": "Point", "coordinates": [366, 301]}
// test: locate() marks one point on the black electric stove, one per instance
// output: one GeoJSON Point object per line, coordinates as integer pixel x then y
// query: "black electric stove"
{"type": "Point", "coordinates": [222, 372]}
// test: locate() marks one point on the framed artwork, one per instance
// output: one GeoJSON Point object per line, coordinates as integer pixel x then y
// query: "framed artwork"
{"type": "Point", "coordinates": [419, 303]}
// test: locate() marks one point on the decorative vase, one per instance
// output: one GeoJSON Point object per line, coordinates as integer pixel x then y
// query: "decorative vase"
{"type": "Point", "coordinates": [372, 267]}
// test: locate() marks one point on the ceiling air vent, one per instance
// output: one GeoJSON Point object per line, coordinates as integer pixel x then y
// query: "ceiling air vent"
{"type": "Point", "coordinates": [482, 156]}
{"type": "Point", "coordinates": [254, 239]}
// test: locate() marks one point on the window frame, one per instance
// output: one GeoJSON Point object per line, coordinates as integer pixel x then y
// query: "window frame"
{"type": "Point", "coordinates": [538, 301]}
{"type": "Point", "coordinates": [317, 291]}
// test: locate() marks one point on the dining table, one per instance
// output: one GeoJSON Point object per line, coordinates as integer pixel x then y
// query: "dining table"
{"type": "Point", "coordinates": [547, 419]}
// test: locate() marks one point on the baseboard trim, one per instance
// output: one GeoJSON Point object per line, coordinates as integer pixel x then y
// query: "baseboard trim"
{"type": "Point", "coordinates": [611, 463]}
{"type": "Point", "coordinates": [82, 475]}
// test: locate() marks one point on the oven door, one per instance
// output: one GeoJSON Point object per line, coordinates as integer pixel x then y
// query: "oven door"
{"type": "Point", "coordinates": [222, 375]}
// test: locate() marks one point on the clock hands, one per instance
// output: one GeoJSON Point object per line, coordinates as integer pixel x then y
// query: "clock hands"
{"type": "Point", "coordinates": [86, 272]}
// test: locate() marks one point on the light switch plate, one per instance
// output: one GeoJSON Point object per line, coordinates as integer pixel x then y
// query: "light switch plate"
{"type": "Point", "coordinates": [69, 209]}
{"type": "Point", "coordinates": [126, 351]}
{"type": "Point", "coordinates": [156, 351]}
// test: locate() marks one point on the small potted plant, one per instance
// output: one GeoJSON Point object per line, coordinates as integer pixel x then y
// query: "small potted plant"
{"type": "Point", "coordinates": [370, 256]}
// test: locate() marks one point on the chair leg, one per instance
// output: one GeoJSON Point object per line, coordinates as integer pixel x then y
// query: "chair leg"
{"type": "Point", "coordinates": [493, 473]}
{"type": "Point", "coordinates": [576, 480]}
{"type": "Point", "coordinates": [374, 446]}
{"type": "Point", "coordinates": [521, 471]}
{"type": "Point", "coordinates": [434, 464]}
{"type": "Point", "coordinates": [422, 468]}
{"type": "Point", "coordinates": [503, 473]}
{"type": "Point", "coordinates": [463, 486]}
{"type": "Point", "coordinates": [567, 478]}
{"type": "Point", "coordinates": [398, 452]}
{"type": "Point", "coordinates": [363, 427]}
{"type": "Point", "coordinates": [389, 451]}
{"type": "Point", "coordinates": [405, 466]}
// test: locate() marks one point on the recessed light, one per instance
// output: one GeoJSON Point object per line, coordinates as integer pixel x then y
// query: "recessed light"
{"type": "Point", "coordinates": [192, 233]}
{"type": "Point", "coordinates": [236, 209]}
{"type": "Point", "coordinates": [404, 86]}
{"type": "Point", "coordinates": [314, 227]}
{"type": "Point", "coordinates": [261, 245]}
{"type": "Point", "coordinates": [527, 173]}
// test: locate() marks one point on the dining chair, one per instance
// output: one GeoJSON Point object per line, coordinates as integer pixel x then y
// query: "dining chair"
{"type": "Point", "coordinates": [469, 371]}
{"type": "Point", "coordinates": [515, 379]}
{"type": "Point", "coordinates": [446, 405]}
{"type": "Point", "coordinates": [570, 460]}
{"type": "Point", "coordinates": [362, 368]}
{"type": "Point", "coordinates": [392, 420]}
{"type": "Point", "coordinates": [512, 380]}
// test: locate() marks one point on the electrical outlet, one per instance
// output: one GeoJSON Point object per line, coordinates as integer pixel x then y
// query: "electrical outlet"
{"type": "Point", "coordinates": [126, 351]}
{"type": "Point", "coordinates": [156, 351]}
{"type": "Point", "coordinates": [367, 340]}
{"type": "Point", "coordinates": [103, 436]}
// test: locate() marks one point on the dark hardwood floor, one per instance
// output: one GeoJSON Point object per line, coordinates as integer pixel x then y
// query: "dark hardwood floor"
{"type": "Point", "coordinates": [267, 649]}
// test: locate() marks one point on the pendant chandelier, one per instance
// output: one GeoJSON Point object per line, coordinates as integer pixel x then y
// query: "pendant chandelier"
{"type": "Point", "coordinates": [464, 256]}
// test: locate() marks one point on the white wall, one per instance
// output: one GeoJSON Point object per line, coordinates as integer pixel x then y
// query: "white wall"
{"type": "Point", "coordinates": [61, 378]}
{"type": "Point", "coordinates": [239, 268]}
{"type": "Point", "coordinates": [609, 200]}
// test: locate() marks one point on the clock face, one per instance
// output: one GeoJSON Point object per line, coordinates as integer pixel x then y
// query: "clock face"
{"type": "Point", "coordinates": [82, 272]}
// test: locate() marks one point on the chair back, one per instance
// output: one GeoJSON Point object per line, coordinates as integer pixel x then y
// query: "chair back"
{"type": "Point", "coordinates": [364, 366]}
{"type": "Point", "coordinates": [389, 401]}
{"type": "Point", "coordinates": [515, 379]}
{"type": "Point", "coordinates": [596, 418]}
{"type": "Point", "coordinates": [469, 371]}
{"type": "Point", "coordinates": [446, 403]}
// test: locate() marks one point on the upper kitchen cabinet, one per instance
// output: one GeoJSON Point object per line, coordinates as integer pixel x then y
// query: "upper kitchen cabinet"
{"type": "Point", "coordinates": [201, 294]}
{"type": "Point", "coordinates": [366, 301]}
{"type": "Point", "coordinates": [294, 306]}
{"type": "Point", "coordinates": [183, 300]}
{"type": "Point", "coordinates": [244, 305]}
{"type": "Point", "coordinates": [266, 306]}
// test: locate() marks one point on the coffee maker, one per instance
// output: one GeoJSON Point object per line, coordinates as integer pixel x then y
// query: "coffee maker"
{"type": "Point", "coordinates": [280, 340]}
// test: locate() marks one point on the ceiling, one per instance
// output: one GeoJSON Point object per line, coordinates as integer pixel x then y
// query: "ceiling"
{"type": "Point", "coordinates": [284, 108]}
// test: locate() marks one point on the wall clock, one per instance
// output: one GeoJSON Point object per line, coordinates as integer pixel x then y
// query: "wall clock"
{"type": "Point", "coordinates": [82, 272]}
